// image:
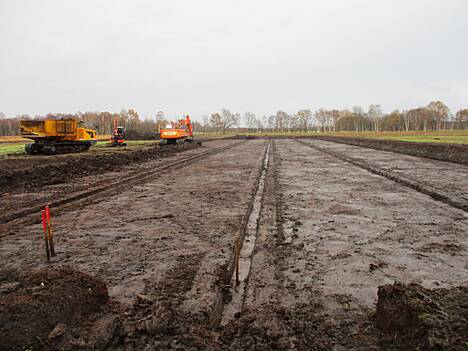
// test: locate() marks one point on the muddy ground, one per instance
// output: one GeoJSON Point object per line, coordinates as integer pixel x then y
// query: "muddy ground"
{"type": "Point", "coordinates": [47, 181]}
{"type": "Point", "coordinates": [34, 171]}
{"type": "Point", "coordinates": [446, 181]}
{"type": "Point", "coordinates": [333, 252]}
{"type": "Point", "coordinates": [457, 153]}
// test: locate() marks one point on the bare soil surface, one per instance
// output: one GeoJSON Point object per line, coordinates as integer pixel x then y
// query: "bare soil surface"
{"type": "Point", "coordinates": [333, 252]}
{"type": "Point", "coordinates": [340, 233]}
{"type": "Point", "coordinates": [35, 189]}
{"type": "Point", "coordinates": [422, 319]}
{"type": "Point", "coordinates": [48, 308]}
{"type": "Point", "coordinates": [35, 171]}
{"type": "Point", "coordinates": [446, 178]}
{"type": "Point", "coordinates": [439, 151]}
{"type": "Point", "coordinates": [142, 241]}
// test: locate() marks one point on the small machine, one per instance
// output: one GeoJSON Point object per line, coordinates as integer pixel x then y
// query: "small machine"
{"type": "Point", "coordinates": [118, 136]}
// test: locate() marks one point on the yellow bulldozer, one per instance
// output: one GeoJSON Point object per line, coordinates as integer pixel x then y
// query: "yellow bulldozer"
{"type": "Point", "coordinates": [57, 136]}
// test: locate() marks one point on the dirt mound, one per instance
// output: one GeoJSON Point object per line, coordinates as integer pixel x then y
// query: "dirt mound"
{"type": "Point", "coordinates": [135, 135]}
{"type": "Point", "coordinates": [414, 318]}
{"type": "Point", "coordinates": [30, 172]}
{"type": "Point", "coordinates": [304, 327]}
{"type": "Point", "coordinates": [445, 152]}
{"type": "Point", "coordinates": [38, 309]}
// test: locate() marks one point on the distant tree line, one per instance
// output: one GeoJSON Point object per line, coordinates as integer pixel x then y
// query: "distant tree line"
{"type": "Point", "coordinates": [435, 116]}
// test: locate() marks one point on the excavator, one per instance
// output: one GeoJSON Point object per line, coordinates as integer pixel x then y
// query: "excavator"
{"type": "Point", "coordinates": [118, 136]}
{"type": "Point", "coordinates": [56, 136]}
{"type": "Point", "coordinates": [177, 132]}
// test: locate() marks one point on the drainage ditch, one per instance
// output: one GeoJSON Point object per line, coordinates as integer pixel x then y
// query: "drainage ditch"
{"type": "Point", "coordinates": [239, 281]}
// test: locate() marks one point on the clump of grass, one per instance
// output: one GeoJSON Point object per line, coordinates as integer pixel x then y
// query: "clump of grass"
{"type": "Point", "coordinates": [13, 148]}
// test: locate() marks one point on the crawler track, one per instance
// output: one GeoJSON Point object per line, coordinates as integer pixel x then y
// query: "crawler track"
{"type": "Point", "coordinates": [123, 183]}
{"type": "Point", "coordinates": [436, 194]}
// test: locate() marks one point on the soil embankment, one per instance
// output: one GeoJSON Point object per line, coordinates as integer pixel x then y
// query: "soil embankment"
{"type": "Point", "coordinates": [457, 153]}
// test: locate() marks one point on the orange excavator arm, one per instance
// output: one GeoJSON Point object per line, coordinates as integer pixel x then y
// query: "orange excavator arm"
{"type": "Point", "coordinates": [186, 121]}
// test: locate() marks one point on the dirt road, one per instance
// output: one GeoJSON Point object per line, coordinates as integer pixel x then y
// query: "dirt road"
{"type": "Point", "coordinates": [319, 234]}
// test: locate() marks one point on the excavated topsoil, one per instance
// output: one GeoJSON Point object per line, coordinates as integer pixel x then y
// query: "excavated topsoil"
{"type": "Point", "coordinates": [44, 308]}
{"type": "Point", "coordinates": [438, 151]}
{"type": "Point", "coordinates": [25, 195]}
{"type": "Point", "coordinates": [33, 171]}
{"type": "Point", "coordinates": [414, 318]}
{"type": "Point", "coordinates": [330, 243]}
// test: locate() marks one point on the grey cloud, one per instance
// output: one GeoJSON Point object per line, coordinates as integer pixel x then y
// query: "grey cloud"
{"type": "Point", "coordinates": [199, 56]}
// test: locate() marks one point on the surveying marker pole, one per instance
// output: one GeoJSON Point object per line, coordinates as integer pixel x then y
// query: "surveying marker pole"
{"type": "Point", "coordinates": [50, 233]}
{"type": "Point", "coordinates": [44, 227]}
{"type": "Point", "coordinates": [237, 259]}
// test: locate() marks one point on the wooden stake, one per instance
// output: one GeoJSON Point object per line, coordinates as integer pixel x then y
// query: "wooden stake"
{"type": "Point", "coordinates": [237, 260]}
{"type": "Point", "coordinates": [50, 233]}
{"type": "Point", "coordinates": [44, 227]}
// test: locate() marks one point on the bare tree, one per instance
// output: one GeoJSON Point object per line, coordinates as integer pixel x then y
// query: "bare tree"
{"type": "Point", "coordinates": [375, 114]}
{"type": "Point", "coordinates": [223, 120]}
{"type": "Point", "coordinates": [303, 119]}
{"type": "Point", "coordinates": [160, 120]}
{"type": "Point", "coordinates": [440, 113]}
{"type": "Point", "coordinates": [281, 120]}
{"type": "Point", "coordinates": [236, 120]}
{"type": "Point", "coordinates": [461, 118]}
{"type": "Point", "coordinates": [324, 118]}
{"type": "Point", "coordinates": [250, 120]}
{"type": "Point", "coordinates": [206, 122]}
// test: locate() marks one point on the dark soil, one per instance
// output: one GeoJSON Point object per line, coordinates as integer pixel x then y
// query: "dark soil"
{"type": "Point", "coordinates": [38, 309]}
{"type": "Point", "coordinates": [414, 318]}
{"type": "Point", "coordinates": [157, 322]}
{"type": "Point", "coordinates": [304, 327]}
{"type": "Point", "coordinates": [457, 153]}
{"type": "Point", "coordinates": [328, 235]}
{"type": "Point", "coordinates": [33, 171]}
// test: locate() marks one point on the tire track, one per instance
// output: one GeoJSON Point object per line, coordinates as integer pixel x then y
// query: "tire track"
{"type": "Point", "coordinates": [406, 181]}
{"type": "Point", "coordinates": [23, 215]}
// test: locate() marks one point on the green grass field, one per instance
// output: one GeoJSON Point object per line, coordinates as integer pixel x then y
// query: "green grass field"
{"type": "Point", "coordinates": [452, 137]}
{"type": "Point", "coordinates": [13, 148]}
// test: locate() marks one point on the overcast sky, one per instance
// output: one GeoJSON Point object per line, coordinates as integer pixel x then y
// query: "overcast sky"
{"type": "Point", "coordinates": [200, 56]}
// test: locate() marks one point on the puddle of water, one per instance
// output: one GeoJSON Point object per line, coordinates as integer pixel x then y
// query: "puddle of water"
{"type": "Point", "coordinates": [234, 307]}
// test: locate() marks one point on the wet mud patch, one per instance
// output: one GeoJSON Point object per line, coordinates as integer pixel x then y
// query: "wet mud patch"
{"type": "Point", "coordinates": [414, 318]}
{"type": "Point", "coordinates": [44, 308]}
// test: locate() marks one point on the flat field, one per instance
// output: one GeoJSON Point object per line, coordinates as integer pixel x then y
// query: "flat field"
{"type": "Point", "coordinates": [237, 244]}
{"type": "Point", "coordinates": [448, 136]}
